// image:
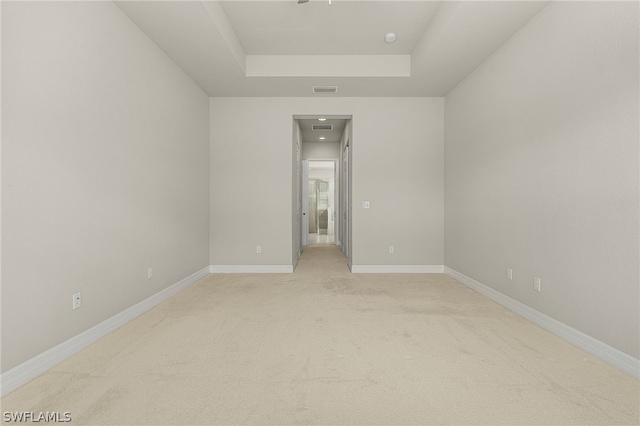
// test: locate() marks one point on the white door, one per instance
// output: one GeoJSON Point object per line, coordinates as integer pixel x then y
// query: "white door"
{"type": "Point", "coordinates": [345, 201]}
{"type": "Point", "coordinates": [304, 231]}
{"type": "Point", "coordinates": [298, 192]}
{"type": "Point", "coordinates": [337, 203]}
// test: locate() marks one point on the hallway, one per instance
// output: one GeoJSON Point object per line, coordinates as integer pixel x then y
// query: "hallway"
{"type": "Point", "coordinates": [316, 239]}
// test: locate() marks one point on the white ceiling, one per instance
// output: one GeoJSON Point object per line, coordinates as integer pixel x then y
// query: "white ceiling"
{"type": "Point", "coordinates": [334, 135]}
{"type": "Point", "coordinates": [281, 48]}
{"type": "Point", "coordinates": [286, 28]}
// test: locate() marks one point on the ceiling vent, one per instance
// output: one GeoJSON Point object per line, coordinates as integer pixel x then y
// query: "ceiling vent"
{"type": "Point", "coordinates": [325, 89]}
{"type": "Point", "coordinates": [321, 127]}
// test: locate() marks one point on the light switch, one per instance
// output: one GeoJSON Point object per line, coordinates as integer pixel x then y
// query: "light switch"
{"type": "Point", "coordinates": [366, 205]}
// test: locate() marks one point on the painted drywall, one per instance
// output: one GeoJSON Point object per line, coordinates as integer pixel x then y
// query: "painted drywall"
{"type": "Point", "coordinates": [542, 169]}
{"type": "Point", "coordinates": [320, 150]}
{"type": "Point", "coordinates": [296, 194]}
{"type": "Point", "coordinates": [346, 188]}
{"type": "Point", "coordinates": [397, 166]}
{"type": "Point", "coordinates": [104, 171]}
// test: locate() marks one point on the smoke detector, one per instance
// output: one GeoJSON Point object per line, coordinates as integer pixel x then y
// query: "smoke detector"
{"type": "Point", "coordinates": [390, 37]}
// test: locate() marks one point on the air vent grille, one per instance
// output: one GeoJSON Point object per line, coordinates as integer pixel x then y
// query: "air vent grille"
{"type": "Point", "coordinates": [322, 127]}
{"type": "Point", "coordinates": [325, 89]}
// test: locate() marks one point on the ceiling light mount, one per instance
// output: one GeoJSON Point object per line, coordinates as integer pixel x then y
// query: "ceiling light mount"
{"type": "Point", "coordinates": [390, 37]}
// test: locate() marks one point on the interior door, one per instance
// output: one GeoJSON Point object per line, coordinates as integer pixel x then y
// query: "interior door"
{"type": "Point", "coordinates": [304, 230]}
{"type": "Point", "coordinates": [345, 201]}
{"type": "Point", "coordinates": [337, 205]}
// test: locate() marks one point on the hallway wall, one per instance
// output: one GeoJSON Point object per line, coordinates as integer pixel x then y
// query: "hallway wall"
{"type": "Point", "coordinates": [251, 166]}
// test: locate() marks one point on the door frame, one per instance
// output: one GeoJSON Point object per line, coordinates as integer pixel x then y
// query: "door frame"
{"type": "Point", "coordinates": [345, 202]}
{"type": "Point", "coordinates": [304, 228]}
{"type": "Point", "coordinates": [343, 187]}
{"type": "Point", "coordinates": [336, 198]}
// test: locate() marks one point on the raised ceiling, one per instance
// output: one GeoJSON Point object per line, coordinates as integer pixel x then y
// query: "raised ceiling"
{"type": "Point", "coordinates": [286, 28]}
{"type": "Point", "coordinates": [281, 48]}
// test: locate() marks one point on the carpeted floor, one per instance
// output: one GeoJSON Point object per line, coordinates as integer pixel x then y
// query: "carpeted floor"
{"type": "Point", "coordinates": [323, 346]}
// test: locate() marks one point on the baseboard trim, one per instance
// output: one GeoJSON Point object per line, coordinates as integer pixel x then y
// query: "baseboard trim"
{"type": "Point", "coordinates": [29, 370]}
{"type": "Point", "coordinates": [608, 354]}
{"type": "Point", "coordinates": [397, 269]}
{"type": "Point", "coordinates": [251, 269]}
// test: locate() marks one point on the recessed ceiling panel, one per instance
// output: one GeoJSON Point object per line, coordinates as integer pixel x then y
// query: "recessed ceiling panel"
{"type": "Point", "coordinates": [214, 42]}
{"type": "Point", "coordinates": [315, 28]}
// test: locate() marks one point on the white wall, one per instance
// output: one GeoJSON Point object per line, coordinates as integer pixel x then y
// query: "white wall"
{"type": "Point", "coordinates": [320, 150]}
{"type": "Point", "coordinates": [321, 173]}
{"type": "Point", "coordinates": [251, 166]}
{"type": "Point", "coordinates": [296, 194]}
{"type": "Point", "coordinates": [542, 169]}
{"type": "Point", "coordinates": [104, 171]}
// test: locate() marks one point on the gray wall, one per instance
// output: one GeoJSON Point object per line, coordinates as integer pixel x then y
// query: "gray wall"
{"type": "Point", "coordinates": [321, 150]}
{"type": "Point", "coordinates": [398, 167]}
{"type": "Point", "coordinates": [542, 169]}
{"type": "Point", "coordinates": [296, 194]}
{"type": "Point", "coordinates": [104, 171]}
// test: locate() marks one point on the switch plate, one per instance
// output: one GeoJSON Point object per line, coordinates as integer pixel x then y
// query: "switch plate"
{"type": "Point", "coordinates": [392, 249]}
{"type": "Point", "coordinates": [536, 283]}
{"type": "Point", "coordinates": [258, 249]}
{"type": "Point", "coordinates": [366, 205]}
{"type": "Point", "coordinates": [77, 300]}
{"type": "Point", "coordinates": [509, 274]}
{"type": "Point", "coordinates": [150, 272]}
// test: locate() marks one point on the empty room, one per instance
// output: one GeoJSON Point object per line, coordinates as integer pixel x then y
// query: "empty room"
{"type": "Point", "coordinates": [355, 212]}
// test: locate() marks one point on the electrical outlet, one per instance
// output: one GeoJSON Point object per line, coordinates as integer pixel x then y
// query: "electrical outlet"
{"type": "Point", "coordinates": [150, 272]}
{"type": "Point", "coordinates": [509, 274]}
{"type": "Point", "coordinates": [258, 249]}
{"type": "Point", "coordinates": [392, 249]}
{"type": "Point", "coordinates": [536, 283]}
{"type": "Point", "coordinates": [77, 300]}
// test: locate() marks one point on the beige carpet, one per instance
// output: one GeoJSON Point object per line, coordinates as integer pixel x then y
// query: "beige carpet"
{"type": "Point", "coordinates": [323, 346]}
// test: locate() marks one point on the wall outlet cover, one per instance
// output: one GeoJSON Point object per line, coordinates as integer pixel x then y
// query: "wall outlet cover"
{"type": "Point", "coordinates": [536, 283]}
{"type": "Point", "coordinates": [77, 300]}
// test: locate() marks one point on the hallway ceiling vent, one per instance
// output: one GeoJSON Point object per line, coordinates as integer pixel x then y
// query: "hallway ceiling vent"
{"type": "Point", "coordinates": [325, 89]}
{"type": "Point", "coordinates": [321, 127]}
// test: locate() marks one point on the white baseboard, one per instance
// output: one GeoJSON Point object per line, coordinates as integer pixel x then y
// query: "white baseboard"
{"type": "Point", "coordinates": [608, 354]}
{"type": "Point", "coordinates": [29, 370]}
{"type": "Point", "coordinates": [397, 269]}
{"type": "Point", "coordinates": [251, 269]}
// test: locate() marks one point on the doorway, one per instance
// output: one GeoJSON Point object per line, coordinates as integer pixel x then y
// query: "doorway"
{"type": "Point", "coordinates": [321, 202]}
{"type": "Point", "coordinates": [321, 208]}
